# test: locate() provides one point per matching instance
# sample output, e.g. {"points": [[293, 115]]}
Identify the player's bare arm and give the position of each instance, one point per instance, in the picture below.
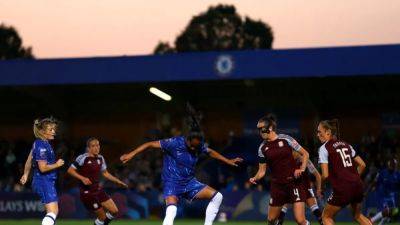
{"points": [[324, 172], [360, 164], [111, 178], [233, 162], [304, 159], [318, 183], [27, 169], [262, 169], [44, 167], [73, 172], [152, 144]]}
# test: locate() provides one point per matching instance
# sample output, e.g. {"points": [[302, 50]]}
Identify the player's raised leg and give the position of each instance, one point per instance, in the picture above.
{"points": [[282, 215], [273, 214], [329, 213], [100, 216], [299, 213], [215, 198], [358, 216], [52, 212], [313, 205], [170, 211], [111, 210]]}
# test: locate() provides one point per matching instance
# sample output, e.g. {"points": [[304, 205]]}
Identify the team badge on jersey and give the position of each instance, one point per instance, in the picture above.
{"points": [[98, 161], [42, 152], [280, 144]]}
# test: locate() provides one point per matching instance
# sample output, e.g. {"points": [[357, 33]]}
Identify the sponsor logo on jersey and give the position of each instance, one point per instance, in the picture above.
{"points": [[42, 152]]}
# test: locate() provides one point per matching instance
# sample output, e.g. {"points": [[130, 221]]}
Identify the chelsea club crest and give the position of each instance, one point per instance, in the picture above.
{"points": [[224, 65]]}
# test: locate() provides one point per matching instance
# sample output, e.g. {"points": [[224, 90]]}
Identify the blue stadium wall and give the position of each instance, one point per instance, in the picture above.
{"points": [[318, 62]]}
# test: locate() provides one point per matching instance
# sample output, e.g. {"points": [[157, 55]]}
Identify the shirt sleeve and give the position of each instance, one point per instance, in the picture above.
{"points": [[261, 157], [104, 165], [204, 148], [323, 155], [291, 141], [167, 145], [78, 161], [39, 152], [353, 152], [310, 167]]}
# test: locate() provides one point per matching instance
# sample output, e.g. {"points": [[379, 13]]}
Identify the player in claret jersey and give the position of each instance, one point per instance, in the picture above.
{"points": [[311, 200], [87, 168], [276, 151], [341, 165]]}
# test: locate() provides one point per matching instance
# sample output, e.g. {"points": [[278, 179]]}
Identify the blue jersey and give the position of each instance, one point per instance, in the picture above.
{"points": [[179, 161], [388, 183], [42, 151]]}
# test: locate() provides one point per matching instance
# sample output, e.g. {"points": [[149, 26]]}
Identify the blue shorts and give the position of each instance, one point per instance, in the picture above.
{"points": [[187, 190], [389, 201], [45, 189]]}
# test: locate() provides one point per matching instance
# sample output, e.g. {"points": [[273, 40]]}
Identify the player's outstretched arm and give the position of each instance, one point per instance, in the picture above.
{"points": [[27, 169], [74, 173], [360, 164], [318, 183], [152, 144], [214, 154], [44, 167], [110, 177], [262, 168]]}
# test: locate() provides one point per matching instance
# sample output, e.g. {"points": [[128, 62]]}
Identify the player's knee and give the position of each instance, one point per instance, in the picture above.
{"points": [[357, 216], [326, 219], [171, 211], [325, 215], [114, 211], [218, 197]]}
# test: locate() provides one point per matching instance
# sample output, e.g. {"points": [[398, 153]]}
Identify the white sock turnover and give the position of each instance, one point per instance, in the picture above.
{"points": [[49, 219], [170, 214], [213, 208]]}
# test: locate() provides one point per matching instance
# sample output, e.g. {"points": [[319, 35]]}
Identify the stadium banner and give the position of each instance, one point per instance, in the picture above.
{"points": [[238, 205], [20, 205]]}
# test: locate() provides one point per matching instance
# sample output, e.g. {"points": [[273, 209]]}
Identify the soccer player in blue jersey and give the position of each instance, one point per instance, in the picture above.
{"points": [[178, 174], [45, 167], [387, 183]]}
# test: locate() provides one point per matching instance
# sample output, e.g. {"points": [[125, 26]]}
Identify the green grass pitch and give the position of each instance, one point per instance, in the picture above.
{"points": [[143, 222]]}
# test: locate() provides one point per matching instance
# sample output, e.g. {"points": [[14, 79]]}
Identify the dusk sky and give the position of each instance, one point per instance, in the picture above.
{"points": [[86, 28]]}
